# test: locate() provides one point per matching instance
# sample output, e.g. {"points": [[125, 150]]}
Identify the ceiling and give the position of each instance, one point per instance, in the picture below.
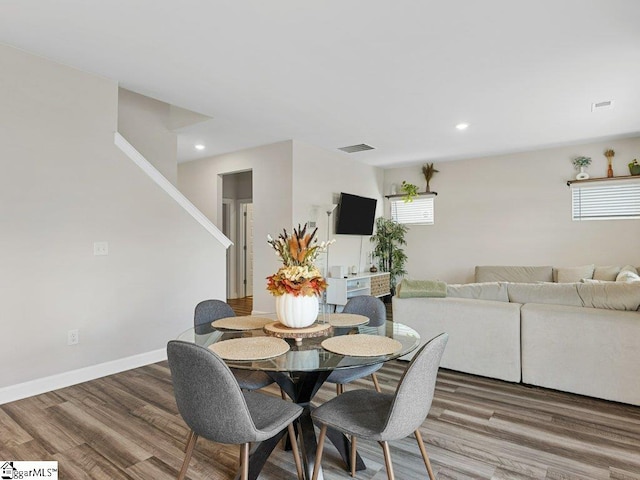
{"points": [[397, 75]]}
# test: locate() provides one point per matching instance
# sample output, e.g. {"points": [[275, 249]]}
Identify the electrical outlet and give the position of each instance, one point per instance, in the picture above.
{"points": [[73, 337]]}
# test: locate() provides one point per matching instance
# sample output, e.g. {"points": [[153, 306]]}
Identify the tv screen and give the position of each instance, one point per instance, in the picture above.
{"points": [[356, 215]]}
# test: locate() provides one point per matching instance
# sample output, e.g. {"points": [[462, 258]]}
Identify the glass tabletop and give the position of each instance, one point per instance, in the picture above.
{"points": [[309, 355]]}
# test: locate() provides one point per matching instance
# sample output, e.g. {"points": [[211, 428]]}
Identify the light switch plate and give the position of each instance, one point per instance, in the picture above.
{"points": [[101, 248]]}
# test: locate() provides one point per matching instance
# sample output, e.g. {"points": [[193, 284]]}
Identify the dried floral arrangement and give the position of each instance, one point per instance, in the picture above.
{"points": [[298, 251]]}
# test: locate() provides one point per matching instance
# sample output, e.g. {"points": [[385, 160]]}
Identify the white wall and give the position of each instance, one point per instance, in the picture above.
{"points": [[271, 166], [515, 210], [319, 176], [65, 185], [145, 123]]}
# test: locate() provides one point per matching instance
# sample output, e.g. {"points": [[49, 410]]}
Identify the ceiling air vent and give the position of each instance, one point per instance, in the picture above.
{"points": [[356, 148], [595, 107]]}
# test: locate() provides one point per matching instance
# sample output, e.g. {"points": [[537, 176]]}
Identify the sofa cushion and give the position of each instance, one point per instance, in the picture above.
{"points": [[610, 295], [608, 273], [628, 273], [496, 291], [549, 293], [488, 273], [572, 274]]}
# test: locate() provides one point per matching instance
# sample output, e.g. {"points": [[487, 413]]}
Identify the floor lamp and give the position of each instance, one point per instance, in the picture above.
{"points": [[329, 210]]}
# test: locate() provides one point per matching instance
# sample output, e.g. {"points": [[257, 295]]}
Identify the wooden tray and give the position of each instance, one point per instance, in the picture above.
{"points": [[277, 329]]}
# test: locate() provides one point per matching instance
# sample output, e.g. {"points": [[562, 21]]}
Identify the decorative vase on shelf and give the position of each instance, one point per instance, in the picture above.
{"points": [[297, 311], [583, 175]]}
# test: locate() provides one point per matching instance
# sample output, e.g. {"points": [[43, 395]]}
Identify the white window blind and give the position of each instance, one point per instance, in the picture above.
{"points": [[417, 212], [606, 200]]}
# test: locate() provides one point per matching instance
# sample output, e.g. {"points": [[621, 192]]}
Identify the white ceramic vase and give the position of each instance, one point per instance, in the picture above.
{"points": [[296, 311], [583, 175]]}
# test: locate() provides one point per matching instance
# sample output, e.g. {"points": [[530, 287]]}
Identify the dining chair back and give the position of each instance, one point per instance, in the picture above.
{"points": [[386, 417], [369, 306], [212, 404], [373, 308], [416, 387], [208, 311]]}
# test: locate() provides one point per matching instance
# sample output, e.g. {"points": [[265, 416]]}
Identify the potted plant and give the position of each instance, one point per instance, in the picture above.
{"points": [[388, 238], [634, 167], [409, 190], [581, 163]]}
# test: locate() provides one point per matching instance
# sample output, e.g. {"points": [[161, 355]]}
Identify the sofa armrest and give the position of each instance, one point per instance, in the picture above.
{"points": [[589, 351]]}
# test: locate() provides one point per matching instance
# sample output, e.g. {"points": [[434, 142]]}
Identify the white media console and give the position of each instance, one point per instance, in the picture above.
{"points": [[340, 290]]}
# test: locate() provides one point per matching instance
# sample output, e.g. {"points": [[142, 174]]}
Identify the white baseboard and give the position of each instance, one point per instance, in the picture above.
{"points": [[73, 377]]}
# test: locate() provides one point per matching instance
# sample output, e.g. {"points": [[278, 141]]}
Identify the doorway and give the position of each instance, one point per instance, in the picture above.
{"points": [[237, 225]]}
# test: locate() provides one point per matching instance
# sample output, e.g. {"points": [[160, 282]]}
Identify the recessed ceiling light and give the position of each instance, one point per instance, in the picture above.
{"points": [[199, 146], [462, 126]]}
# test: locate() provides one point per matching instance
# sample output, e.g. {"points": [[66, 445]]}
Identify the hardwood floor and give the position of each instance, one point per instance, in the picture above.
{"points": [[126, 426]]}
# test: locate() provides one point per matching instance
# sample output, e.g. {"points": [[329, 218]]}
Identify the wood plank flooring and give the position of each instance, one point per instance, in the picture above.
{"points": [[126, 426]]}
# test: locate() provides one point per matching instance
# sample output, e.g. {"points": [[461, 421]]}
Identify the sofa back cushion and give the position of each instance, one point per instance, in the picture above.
{"points": [[573, 274], [610, 295], [549, 293], [496, 291], [608, 273], [496, 273]]}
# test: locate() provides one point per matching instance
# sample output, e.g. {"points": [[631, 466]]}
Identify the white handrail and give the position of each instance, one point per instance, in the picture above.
{"points": [[168, 187]]}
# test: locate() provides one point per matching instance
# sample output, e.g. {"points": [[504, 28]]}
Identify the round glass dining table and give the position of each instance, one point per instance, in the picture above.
{"points": [[300, 372]]}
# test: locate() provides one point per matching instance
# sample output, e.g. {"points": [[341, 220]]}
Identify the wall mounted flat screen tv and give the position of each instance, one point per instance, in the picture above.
{"points": [[356, 215]]}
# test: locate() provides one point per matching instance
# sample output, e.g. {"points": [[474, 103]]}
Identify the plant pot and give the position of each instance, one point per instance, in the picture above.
{"points": [[634, 169], [296, 311]]}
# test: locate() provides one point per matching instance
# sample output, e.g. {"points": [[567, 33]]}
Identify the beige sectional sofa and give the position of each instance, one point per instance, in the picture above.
{"points": [[516, 324]]}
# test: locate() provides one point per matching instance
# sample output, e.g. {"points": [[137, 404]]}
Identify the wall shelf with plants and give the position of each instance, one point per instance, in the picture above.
{"points": [[601, 179], [419, 194]]}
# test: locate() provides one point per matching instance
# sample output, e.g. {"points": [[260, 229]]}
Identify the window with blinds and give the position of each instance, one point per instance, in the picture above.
{"points": [[606, 200], [417, 212]]}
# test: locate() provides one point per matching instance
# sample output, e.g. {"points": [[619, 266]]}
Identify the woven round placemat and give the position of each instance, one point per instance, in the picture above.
{"points": [[250, 348], [241, 323], [347, 319], [362, 345]]}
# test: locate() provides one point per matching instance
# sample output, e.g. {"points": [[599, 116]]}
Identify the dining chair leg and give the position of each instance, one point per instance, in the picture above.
{"points": [[316, 466], [244, 461], [188, 451], [387, 460], [425, 457], [374, 377], [353, 455], [294, 450]]}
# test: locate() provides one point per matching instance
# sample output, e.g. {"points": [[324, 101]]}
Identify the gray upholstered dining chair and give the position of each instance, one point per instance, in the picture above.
{"points": [[212, 404], [373, 308], [209, 310], [384, 417]]}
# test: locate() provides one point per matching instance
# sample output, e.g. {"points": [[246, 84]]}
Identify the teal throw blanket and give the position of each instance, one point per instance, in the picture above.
{"points": [[421, 288]]}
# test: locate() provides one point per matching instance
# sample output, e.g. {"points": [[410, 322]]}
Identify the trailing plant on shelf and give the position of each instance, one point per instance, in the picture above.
{"points": [[409, 190], [388, 239]]}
